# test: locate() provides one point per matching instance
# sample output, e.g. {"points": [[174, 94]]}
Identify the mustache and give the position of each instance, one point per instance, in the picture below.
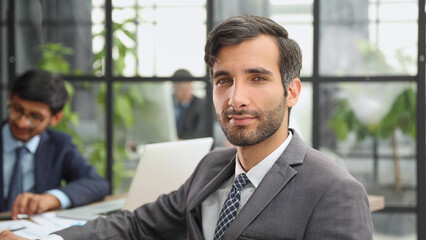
{"points": [[231, 111]]}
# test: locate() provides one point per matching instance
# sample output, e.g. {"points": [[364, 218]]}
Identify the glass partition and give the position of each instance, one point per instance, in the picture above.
{"points": [[143, 113], [3, 57], [362, 37], [371, 129], [156, 38], [295, 16], [56, 35]]}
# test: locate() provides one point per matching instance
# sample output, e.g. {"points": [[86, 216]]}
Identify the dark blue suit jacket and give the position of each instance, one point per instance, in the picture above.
{"points": [[57, 159], [193, 124]]}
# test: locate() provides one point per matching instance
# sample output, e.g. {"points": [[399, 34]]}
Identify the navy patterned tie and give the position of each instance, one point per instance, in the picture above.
{"points": [[230, 207], [16, 183]]}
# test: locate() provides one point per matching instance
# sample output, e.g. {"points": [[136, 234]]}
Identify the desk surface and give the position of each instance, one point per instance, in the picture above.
{"points": [[376, 202]]}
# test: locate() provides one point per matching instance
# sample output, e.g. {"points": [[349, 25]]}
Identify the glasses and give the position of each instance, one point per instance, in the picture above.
{"points": [[32, 119]]}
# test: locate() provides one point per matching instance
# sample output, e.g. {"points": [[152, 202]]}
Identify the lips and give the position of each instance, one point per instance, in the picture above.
{"points": [[240, 120], [19, 131]]}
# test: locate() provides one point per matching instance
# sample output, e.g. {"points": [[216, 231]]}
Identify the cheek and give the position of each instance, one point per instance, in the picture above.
{"points": [[272, 100], [217, 104], [39, 129], [218, 100]]}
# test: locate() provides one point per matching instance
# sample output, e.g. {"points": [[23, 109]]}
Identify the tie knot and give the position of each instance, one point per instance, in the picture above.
{"points": [[21, 150], [241, 181]]}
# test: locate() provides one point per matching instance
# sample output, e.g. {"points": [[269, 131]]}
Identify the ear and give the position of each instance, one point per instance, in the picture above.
{"points": [[294, 89], [56, 118]]}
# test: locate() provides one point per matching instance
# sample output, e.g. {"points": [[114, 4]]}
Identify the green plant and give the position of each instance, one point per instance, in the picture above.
{"points": [[120, 49], [402, 115], [126, 98], [53, 60]]}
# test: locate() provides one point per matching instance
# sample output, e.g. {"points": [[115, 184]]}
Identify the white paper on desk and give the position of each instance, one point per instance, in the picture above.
{"points": [[31, 230], [52, 223], [11, 225]]}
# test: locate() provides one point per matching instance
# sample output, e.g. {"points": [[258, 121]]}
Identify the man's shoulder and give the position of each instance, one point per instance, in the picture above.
{"points": [[319, 165], [224, 152], [196, 101], [219, 157], [55, 137]]}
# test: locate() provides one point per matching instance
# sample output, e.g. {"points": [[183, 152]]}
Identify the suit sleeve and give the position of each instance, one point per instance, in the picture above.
{"points": [[162, 219], [342, 213], [84, 184], [166, 218]]}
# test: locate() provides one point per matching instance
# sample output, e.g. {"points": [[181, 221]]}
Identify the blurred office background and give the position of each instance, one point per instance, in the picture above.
{"points": [[363, 95]]}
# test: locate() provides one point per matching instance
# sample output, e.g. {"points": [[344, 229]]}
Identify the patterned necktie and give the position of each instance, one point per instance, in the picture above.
{"points": [[16, 183], [230, 207]]}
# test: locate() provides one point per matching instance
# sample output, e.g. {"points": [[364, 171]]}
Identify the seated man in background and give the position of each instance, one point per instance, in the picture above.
{"points": [[189, 109], [35, 159]]}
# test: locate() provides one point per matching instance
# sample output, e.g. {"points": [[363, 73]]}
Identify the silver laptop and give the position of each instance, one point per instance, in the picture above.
{"points": [[162, 168]]}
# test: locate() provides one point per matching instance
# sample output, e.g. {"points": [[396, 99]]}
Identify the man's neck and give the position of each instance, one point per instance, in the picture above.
{"points": [[249, 156]]}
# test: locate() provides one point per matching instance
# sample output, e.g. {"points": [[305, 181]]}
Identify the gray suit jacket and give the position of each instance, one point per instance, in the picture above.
{"points": [[304, 196]]}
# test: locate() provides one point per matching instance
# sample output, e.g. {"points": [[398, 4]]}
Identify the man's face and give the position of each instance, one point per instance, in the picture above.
{"points": [[247, 91], [19, 127], [183, 91]]}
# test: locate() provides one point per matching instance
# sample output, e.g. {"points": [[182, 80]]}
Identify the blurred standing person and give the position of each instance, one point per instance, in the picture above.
{"points": [[189, 109]]}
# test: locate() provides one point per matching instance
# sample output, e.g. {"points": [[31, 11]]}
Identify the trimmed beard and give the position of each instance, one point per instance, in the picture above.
{"points": [[269, 122]]}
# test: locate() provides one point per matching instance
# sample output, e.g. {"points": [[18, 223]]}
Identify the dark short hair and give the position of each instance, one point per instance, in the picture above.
{"points": [[182, 73], [41, 86], [237, 29]]}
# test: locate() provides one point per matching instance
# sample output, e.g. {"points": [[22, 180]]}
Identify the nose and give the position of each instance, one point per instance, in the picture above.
{"points": [[239, 96], [22, 121]]}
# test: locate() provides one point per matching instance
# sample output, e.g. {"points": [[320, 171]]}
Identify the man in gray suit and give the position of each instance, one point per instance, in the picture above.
{"points": [[291, 190]]}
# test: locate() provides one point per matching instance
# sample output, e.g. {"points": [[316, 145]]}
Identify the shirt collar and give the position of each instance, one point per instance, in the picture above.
{"points": [[10, 143], [256, 174]]}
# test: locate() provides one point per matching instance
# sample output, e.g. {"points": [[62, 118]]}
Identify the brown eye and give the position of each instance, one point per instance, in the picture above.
{"points": [[223, 81], [259, 78], [35, 117]]}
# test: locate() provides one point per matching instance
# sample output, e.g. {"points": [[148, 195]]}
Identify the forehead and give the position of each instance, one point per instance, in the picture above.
{"points": [[29, 105], [182, 85], [261, 51]]}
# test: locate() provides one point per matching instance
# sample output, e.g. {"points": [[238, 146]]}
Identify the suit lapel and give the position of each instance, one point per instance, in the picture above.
{"points": [[272, 184], [194, 206]]}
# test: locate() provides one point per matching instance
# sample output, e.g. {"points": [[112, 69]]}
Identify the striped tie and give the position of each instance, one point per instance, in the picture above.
{"points": [[230, 207]]}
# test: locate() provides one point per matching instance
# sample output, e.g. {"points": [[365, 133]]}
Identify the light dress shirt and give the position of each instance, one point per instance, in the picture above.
{"points": [[210, 208], [10, 144], [179, 108]]}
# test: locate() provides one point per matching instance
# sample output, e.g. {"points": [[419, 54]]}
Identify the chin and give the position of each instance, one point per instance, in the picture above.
{"points": [[20, 137]]}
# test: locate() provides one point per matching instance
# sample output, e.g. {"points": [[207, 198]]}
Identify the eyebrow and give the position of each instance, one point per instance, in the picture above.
{"points": [[29, 112], [220, 73], [258, 70], [250, 70]]}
